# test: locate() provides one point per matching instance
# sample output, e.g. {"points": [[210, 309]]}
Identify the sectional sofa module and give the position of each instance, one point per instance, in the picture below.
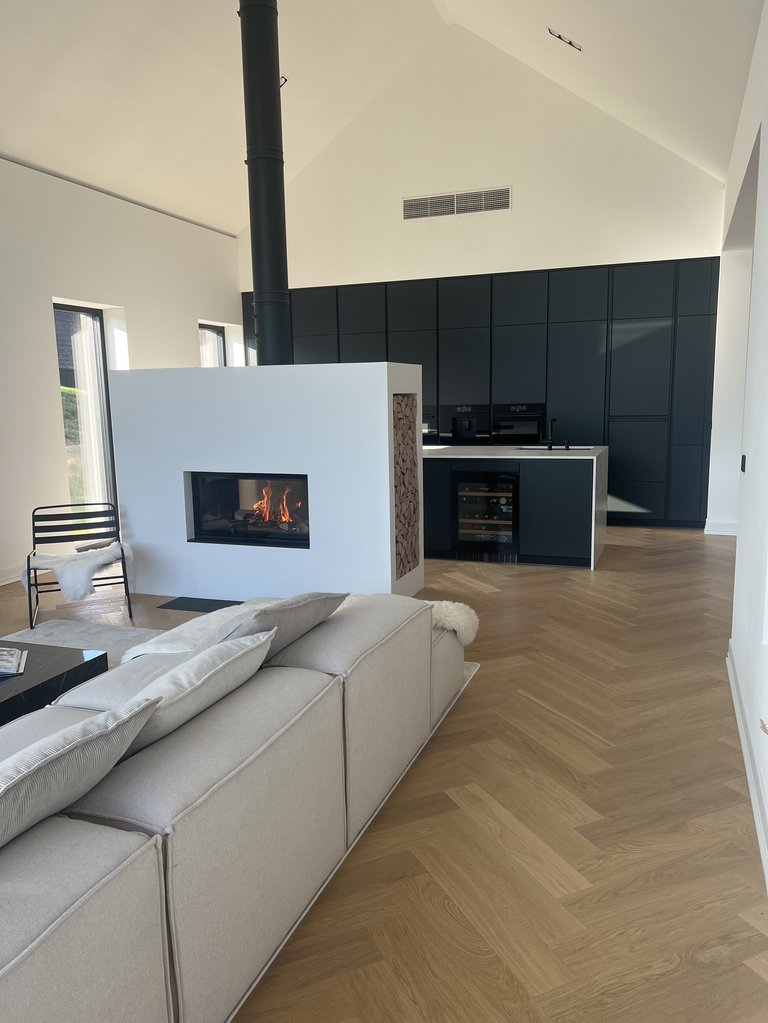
{"points": [[208, 845]]}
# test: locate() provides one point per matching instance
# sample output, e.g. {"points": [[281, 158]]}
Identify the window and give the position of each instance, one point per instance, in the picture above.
{"points": [[85, 403], [213, 349]]}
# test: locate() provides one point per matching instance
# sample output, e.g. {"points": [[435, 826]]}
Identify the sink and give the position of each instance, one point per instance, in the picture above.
{"points": [[555, 447]]}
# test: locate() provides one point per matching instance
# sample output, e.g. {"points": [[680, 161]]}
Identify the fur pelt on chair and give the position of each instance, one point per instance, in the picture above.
{"points": [[74, 572]]}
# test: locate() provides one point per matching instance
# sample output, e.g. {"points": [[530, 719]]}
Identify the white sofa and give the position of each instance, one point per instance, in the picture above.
{"points": [[165, 891]]}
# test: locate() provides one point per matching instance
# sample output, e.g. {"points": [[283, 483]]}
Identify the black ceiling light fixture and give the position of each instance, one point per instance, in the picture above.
{"points": [[565, 39]]}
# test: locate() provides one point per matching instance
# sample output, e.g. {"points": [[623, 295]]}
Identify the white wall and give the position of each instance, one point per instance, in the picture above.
{"points": [[748, 656], [728, 398], [333, 423], [586, 189], [60, 239]]}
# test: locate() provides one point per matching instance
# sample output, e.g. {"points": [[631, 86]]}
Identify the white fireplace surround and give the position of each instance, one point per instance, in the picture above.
{"points": [[330, 422]]}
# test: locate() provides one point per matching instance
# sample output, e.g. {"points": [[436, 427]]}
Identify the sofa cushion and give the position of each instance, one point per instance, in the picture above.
{"points": [[51, 773], [197, 633], [18, 734], [294, 617], [121, 683]]}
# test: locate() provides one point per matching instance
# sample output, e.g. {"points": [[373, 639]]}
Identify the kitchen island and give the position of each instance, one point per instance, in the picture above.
{"points": [[525, 504]]}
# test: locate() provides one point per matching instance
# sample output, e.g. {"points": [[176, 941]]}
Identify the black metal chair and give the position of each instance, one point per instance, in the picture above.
{"points": [[81, 524]]}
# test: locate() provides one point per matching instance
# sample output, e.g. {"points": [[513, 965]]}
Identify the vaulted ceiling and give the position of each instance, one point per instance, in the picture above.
{"points": [[143, 98]]}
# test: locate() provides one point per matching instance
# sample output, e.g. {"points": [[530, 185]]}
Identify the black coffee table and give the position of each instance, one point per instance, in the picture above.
{"points": [[49, 672]]}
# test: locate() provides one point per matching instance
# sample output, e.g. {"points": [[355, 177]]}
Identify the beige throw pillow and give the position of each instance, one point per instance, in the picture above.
{"points": [[203, 631], [295, 616], [55, 771], [197, 683]]}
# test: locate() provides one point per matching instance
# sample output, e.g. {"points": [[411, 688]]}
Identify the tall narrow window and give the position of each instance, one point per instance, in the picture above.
{"points": [[213, 350], [85, 403]]}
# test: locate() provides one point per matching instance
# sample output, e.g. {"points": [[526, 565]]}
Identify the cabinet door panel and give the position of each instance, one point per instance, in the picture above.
{"points": [[519, 298], [556, 508], [363, 347], [419, 347], [576, 381], [637, 500], [580, 294], [641, 357], [637, 451], [412, 305], [694, 279], [362, 308], [464, 302], [313, 311], [310, 350], [437, 506], [685, 483], [689, 391], [646, 289], [465, 366], [519, 359]]}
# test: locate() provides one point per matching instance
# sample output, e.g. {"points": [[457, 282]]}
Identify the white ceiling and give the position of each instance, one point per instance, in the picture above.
{"points": [[143, 98]]}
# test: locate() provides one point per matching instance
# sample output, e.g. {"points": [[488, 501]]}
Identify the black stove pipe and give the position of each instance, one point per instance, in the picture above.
{"points": [[266, 186]]}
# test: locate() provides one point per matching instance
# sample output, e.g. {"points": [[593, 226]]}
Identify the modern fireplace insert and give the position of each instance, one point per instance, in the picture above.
{"points": [[262, 509]]}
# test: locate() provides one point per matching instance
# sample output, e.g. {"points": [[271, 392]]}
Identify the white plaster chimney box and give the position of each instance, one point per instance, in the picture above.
{"points": [[301, 477]]}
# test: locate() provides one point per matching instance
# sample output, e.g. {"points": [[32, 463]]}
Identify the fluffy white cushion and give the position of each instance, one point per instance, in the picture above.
{"points": [[60, 768], [203, 631], [197, 683], [455, 617]]}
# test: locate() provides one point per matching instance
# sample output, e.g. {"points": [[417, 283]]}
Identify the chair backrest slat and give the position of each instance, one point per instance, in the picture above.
{"points": [[73, 523]]}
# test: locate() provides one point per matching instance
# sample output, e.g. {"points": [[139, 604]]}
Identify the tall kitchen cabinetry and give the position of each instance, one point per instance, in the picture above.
{"points": [[621, 355]]}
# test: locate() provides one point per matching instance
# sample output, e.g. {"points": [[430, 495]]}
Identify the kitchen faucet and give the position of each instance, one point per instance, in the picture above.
{"points": [[548, 438]]}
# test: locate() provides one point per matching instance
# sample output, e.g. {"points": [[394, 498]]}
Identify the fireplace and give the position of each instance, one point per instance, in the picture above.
{"points": [[259, 509]]}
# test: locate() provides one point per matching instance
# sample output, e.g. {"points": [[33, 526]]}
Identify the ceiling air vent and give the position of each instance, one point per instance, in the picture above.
{"points": [[459, 202]]}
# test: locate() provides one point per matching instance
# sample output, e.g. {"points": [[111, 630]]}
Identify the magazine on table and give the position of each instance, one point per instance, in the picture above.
{"points": [[12, 661]]}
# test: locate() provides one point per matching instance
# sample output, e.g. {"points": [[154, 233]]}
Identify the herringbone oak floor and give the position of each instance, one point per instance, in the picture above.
{"points": [[575, 845]]}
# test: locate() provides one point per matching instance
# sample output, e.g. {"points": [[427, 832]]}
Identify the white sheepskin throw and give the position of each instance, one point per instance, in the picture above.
{"points": [[75, 572], [454, 617]]}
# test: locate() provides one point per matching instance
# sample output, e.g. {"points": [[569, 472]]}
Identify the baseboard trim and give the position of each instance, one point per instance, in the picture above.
{"points": [[721, 528], [756, 794]]}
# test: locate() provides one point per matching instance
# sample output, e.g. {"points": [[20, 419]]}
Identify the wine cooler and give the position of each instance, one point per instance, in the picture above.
{"points": [[485, 512]]}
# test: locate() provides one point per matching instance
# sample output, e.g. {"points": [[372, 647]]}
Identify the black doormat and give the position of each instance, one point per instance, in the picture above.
{"points": [[197, 604]]}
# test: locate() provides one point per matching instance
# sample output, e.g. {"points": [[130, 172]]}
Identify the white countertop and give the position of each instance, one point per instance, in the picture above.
{"points": [[508, 453]]}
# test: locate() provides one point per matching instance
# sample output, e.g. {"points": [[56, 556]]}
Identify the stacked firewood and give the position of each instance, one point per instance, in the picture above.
{"points": [[406, 469]]}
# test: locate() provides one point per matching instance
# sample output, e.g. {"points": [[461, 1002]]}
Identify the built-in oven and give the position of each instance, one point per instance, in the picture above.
{"points": [[485, 514], [518, 424]]}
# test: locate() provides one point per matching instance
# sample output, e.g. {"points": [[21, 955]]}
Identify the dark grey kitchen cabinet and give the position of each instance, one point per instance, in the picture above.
{"points": [[519, 359], [579, 294], [638, 451], [420, 347], [363, 347], [464, 366], [313, 312], [411, 305], [636, 502], [689, 391], [641, 367], [687, 503], [576, 381], [694, 284], [464, 302], [438, 508], [556, 510], [362, 308], [319, 348], [643, 289], [519, 298]]}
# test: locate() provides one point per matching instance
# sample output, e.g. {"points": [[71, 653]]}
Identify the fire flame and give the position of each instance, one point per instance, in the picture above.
{"points": [[264, 508]]}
